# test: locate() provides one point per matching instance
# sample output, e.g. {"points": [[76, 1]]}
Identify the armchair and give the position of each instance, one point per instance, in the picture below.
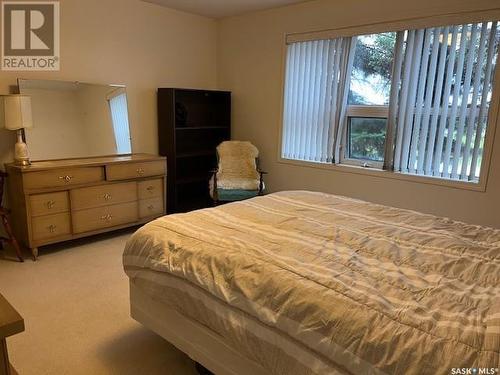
{"points": [[237, 175]]}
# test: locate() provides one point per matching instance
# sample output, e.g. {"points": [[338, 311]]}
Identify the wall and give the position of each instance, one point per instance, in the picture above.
{"points": [[141, 45], [249, 63]]}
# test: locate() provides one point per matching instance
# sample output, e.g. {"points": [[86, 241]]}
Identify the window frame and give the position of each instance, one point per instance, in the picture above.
{"points": [[400, 25], [367, 111]]}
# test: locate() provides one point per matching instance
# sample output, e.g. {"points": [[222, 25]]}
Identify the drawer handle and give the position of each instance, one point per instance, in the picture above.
{"points": [[140, 171], [107, 217], [52, 228], [106, 197], [50, 204], [150, 188], [150, 207], [66, 178]]}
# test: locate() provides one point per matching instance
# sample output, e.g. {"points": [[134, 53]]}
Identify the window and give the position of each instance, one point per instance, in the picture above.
{"points": [[365, 135], [119, 116], [368, 100], [413, 101], [370, 81]]}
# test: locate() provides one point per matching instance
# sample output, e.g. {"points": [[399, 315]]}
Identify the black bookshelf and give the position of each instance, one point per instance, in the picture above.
{"points": [[191, 123]]}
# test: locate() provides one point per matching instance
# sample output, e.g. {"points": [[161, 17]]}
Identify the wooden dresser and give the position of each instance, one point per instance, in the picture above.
{"points": [[59, 200]]}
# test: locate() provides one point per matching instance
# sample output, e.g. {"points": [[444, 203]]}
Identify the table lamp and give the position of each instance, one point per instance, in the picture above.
{"points": [[15, 114]]}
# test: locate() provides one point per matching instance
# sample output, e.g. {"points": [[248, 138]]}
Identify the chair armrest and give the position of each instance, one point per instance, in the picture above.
{"points": [[213, 172], [261, 182], [215, 197]]}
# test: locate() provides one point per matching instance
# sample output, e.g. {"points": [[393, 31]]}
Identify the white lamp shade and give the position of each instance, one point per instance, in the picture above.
{"points": [[15, 112]]}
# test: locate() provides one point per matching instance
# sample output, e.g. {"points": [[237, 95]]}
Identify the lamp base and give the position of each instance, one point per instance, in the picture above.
{"points": [[23, 163], [21, 151]]}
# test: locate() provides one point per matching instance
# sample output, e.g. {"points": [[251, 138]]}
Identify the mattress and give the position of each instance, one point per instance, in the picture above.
{"points": [[312, 283]]}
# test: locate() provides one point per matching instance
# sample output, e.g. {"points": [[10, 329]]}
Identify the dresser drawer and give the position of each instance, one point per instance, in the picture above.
{"points": [[134, 170], [150, 207], [51, 226], [103, 195], [63, 177], [150, 188], [104, 217], [51, 203]]}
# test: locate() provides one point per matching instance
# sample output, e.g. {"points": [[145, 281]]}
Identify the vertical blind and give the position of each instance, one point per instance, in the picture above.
{"points": [[441, 89], [119, 116], [315, 96], [444, 80]]}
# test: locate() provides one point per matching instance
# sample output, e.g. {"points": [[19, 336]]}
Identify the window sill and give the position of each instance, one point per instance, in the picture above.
{"points": [[375, 172]]}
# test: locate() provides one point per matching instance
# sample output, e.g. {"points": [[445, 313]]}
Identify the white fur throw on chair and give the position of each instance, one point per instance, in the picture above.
{"points": [[237, 168]]}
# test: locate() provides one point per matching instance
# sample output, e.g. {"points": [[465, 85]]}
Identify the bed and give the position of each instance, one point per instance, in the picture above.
{"points": [[301, 282]]}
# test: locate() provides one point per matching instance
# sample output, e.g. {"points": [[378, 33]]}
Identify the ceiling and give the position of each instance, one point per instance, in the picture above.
{"points": [[222, 8]]}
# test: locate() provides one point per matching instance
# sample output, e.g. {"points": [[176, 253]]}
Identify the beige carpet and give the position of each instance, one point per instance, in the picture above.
{"points": [[74, 300]]}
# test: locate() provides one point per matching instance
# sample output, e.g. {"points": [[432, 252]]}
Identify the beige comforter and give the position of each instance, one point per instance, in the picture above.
{"points": [[366, 288]]}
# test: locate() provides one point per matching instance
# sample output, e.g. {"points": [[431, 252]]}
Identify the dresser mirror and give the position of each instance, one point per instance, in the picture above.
{"points": [[75, 119]]}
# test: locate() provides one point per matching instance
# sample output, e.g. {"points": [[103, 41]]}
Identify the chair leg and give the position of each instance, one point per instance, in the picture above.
{"points": [[12, 238]]}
